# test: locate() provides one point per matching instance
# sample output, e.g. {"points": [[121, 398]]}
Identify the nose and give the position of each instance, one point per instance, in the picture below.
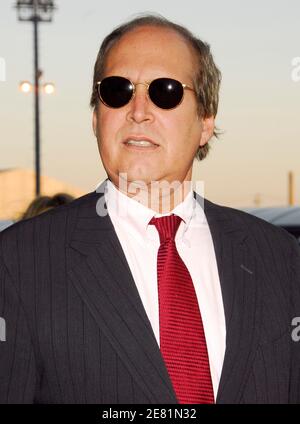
{"points": [[140, 108]]}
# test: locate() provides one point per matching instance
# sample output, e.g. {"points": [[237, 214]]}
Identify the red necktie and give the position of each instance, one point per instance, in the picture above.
{"points": [[182, 338]]}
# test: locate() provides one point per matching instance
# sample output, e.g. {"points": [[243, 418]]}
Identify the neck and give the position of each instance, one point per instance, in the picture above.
{"points": [[160, 196]]}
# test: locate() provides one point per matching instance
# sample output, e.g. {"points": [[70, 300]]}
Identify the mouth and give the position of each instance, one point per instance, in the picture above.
{"points": [[140, 142]]}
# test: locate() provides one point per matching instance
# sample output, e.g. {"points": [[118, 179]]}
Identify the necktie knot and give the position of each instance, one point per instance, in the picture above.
{"points": [[166, 226]]}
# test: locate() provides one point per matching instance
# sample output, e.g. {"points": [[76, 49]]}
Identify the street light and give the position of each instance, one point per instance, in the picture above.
{"points": [[29, 10], [26, 87], [48, 88], [36, 11]]}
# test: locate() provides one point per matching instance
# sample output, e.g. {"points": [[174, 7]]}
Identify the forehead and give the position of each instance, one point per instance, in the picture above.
{"points": [[152, 49]]}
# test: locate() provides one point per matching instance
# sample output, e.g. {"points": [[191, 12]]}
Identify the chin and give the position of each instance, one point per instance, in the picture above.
{"points": [[138, 175]]}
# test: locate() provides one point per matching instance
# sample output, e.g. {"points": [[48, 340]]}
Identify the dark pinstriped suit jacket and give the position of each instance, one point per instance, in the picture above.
{"points": [[77, 332]]}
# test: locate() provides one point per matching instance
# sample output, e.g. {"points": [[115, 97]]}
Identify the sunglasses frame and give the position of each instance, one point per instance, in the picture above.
{"points": [[147, 84]]}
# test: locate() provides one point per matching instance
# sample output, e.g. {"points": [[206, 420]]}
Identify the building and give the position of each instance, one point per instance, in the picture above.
{"points": [[17, 190]]}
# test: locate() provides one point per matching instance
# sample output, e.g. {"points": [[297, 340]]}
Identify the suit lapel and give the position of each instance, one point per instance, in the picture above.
{"points": [[240, 291], [104, 281]]}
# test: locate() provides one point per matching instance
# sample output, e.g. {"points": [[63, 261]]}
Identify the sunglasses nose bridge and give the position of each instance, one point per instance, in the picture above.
{"points": [[143, 83], [135, 91], [139, 105], [140, 83]]}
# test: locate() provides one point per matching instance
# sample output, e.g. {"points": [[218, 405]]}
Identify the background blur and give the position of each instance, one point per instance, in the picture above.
{"points": [[254, 44]]}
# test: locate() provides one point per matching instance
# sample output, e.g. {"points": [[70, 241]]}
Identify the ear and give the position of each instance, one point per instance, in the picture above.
{"points": [[208, 125], [94, 122]]}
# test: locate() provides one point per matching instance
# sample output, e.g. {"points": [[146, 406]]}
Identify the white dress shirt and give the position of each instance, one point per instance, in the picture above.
{"points": [[140, 243]]}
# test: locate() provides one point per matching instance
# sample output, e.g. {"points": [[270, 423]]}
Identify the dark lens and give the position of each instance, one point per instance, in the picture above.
{"points": [[166, 93], [115, 91]]}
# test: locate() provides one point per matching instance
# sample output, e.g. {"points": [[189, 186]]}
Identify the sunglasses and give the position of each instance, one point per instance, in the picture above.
{"points": [[165, 93]]}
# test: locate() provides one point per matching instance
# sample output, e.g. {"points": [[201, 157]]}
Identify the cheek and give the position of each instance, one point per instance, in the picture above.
{"points": [[107, 126], [184, 133], [109, 136], [194, 130]]}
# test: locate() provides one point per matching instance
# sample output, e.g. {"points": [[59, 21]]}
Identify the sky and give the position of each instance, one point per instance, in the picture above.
{"points": [[255, 44]]}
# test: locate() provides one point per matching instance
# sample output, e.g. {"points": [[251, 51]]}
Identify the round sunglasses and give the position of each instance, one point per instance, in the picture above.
{"points": [[165, 93]]}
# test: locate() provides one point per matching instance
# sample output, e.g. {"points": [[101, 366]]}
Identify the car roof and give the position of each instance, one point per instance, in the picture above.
{"points": [[288, 216]]}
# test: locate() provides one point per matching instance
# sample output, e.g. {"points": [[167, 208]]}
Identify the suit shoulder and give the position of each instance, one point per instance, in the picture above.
{"points": [[60, 216], [254, 225]]}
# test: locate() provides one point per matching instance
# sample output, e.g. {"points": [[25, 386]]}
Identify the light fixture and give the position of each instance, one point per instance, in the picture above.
{"points": [[25, 86], [48, 87]]}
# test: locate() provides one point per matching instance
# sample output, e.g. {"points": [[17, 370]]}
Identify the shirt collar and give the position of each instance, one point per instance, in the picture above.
{"points": [[128, 211]]}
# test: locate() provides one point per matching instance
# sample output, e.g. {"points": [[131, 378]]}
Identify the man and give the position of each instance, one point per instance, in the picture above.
{"points": [[148, 293]]}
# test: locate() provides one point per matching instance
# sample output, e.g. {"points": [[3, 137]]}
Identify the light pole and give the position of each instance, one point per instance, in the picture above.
{"points": [[47, 87], [36, 11]]}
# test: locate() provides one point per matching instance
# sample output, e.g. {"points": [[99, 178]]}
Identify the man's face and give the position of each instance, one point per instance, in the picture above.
{"points": [[142, 55]]}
